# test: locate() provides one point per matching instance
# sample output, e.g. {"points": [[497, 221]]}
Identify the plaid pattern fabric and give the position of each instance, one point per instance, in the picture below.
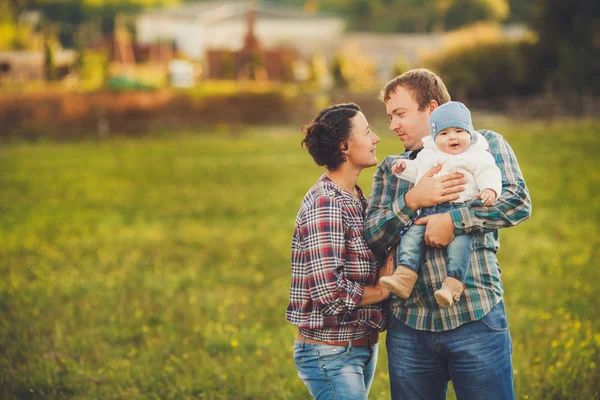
{"points": [[387, 216], [331, 263]]}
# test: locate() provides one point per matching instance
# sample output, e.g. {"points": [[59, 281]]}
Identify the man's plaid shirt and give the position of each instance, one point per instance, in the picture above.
{"points": [[331, 263], [387, 215]]}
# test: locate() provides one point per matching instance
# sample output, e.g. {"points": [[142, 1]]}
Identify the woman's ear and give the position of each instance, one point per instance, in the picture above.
{"points": [[344, 147]]}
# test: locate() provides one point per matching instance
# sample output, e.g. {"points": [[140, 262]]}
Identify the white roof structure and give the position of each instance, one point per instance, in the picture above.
{"points": [[197, 27]]}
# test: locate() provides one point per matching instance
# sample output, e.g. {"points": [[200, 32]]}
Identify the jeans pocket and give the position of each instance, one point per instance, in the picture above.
{"points": [[496, 320], [331, 354]]}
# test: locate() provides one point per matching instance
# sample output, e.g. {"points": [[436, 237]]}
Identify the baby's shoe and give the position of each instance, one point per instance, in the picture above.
{"points": [[450, 292], [401, 283]]}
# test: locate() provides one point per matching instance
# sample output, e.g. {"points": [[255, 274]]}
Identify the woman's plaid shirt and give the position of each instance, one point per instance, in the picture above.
{"points": [[387, 215], [331, 263]]}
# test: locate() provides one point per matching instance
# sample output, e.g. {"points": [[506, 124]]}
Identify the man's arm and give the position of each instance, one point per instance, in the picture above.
{"points": [[394, 202], [387, 213], [512, 207]]}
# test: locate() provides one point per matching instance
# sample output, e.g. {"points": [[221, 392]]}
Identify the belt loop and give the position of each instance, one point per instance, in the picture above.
{"points": [[303, 340], [349, 344]]}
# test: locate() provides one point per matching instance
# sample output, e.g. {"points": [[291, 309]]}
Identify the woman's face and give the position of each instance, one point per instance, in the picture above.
{"points": [[362, 143]]}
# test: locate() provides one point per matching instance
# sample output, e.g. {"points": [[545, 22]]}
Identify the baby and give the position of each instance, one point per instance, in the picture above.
{"points": [[458, 148]]}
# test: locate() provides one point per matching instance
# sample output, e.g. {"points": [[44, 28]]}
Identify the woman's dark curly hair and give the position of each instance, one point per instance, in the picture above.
{"points": [[330, 129]]}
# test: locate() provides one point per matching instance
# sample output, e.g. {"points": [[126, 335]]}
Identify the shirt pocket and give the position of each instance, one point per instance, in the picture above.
{"points": [[360, 262], [357, 247]]}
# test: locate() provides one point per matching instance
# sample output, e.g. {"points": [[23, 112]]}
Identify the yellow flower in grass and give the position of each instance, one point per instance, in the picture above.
{"points": [[235, 343]]}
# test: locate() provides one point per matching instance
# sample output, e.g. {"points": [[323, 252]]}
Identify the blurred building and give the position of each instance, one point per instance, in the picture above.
{"points": [[31, 65], [252, 61], [196, 28]]}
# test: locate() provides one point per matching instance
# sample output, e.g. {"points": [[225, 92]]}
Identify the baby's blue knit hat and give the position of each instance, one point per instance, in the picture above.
{"points": [[451, 115]]}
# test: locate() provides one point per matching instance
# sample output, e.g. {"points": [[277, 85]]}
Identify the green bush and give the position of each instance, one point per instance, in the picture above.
{"points": [[479, 63]]}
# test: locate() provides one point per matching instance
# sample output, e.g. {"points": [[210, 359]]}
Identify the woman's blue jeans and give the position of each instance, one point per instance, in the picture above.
{"points": [[336, 372], [412, 246], [476, 356]]}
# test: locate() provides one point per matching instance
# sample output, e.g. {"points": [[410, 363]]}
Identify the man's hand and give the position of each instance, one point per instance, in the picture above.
{"points": [[487, 196], [439, 231], [430, 191]]}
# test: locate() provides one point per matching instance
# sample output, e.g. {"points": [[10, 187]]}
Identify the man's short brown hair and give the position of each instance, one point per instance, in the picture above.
{"points": [[424, 84]]}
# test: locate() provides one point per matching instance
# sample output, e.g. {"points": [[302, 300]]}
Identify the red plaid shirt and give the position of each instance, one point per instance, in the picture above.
{"points": [[331, 262]]}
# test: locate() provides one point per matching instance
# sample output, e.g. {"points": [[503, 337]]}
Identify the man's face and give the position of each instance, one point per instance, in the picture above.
{"points": [[410, 124]]}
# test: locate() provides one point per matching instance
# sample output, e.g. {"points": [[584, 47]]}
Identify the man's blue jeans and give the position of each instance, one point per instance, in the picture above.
{"points": [[458, 253], [476, 356], [336, 372]]}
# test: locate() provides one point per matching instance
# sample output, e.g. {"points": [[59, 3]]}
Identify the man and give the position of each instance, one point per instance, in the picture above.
{"points": [[429, 345]]}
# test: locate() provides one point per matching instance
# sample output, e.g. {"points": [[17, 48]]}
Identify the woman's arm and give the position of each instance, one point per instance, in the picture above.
{"points": [[325, 253], [378, 293]]}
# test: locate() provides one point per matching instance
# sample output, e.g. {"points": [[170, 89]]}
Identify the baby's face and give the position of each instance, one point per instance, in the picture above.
{"points": [[453, 140]]}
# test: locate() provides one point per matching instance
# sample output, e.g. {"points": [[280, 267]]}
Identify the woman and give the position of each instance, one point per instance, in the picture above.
{"points": [[335, 296]]}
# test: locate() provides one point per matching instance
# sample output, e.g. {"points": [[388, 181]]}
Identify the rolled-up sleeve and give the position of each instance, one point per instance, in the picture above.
{"points": [[387, 213], [325, 252]]}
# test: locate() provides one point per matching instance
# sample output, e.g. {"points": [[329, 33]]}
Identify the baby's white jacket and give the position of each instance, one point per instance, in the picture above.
{"points": [[476, 164]]}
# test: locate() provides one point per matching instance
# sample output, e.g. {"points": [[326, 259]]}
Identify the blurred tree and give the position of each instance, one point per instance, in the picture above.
{"points": [[401, 65], [337, 72], [463, 12], [7, 24], [567, 56], [49, 65], [520, 11], [476, 62]]}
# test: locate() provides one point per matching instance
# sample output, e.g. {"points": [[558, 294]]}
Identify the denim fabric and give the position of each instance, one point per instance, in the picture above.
{"points": [[336, 372], [458, 253], [476, 356]]}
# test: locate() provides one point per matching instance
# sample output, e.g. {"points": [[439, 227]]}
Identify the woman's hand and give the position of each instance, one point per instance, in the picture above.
{"points": [[377, 293]]}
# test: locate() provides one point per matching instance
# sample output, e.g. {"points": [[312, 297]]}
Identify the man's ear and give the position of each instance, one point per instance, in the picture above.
{"points": [[432, 106]]}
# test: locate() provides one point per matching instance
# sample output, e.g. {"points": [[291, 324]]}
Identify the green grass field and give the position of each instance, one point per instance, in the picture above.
{"points": [[159, 267]]}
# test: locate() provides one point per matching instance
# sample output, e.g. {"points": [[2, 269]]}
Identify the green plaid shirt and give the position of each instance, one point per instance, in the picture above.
{"points": [[387, 215]]}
